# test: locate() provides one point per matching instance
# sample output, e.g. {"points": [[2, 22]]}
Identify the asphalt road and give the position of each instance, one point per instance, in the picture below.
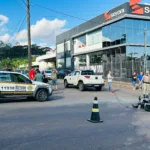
{"points": [[61, 123]]}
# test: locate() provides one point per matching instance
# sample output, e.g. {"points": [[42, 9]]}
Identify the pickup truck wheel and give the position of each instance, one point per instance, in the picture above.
{"points": [[98, 88], [42, 95], [65, 84], [81, 86]]}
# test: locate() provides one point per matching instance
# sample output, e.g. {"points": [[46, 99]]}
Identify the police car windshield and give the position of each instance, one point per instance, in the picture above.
{"points": [[20, 78]]}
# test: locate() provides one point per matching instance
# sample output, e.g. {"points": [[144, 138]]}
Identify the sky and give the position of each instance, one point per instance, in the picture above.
{"points": [[46, 24]]}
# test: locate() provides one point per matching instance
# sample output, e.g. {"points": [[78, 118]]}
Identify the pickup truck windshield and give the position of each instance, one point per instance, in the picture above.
{"points": [[48, 71], [87, 72]]}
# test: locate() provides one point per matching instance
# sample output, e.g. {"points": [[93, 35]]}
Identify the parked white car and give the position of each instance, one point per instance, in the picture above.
{"points": [[84, 78]]}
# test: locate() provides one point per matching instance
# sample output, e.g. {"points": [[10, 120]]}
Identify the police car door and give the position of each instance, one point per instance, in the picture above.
{"points": [[6, 85], [23, 86]]}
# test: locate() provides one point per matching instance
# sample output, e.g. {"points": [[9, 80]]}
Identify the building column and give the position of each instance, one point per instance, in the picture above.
{"points": [[76, 62], [87, 60]]}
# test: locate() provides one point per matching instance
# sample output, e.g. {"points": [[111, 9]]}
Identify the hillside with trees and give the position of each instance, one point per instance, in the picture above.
{"points": [[13, 56]]}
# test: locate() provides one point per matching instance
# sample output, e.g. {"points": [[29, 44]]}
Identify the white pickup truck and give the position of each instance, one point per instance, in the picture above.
{"points": [[84, 78]]}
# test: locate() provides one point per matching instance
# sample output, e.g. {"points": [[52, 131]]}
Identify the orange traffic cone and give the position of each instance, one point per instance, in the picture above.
{"points": [[95, 117]]}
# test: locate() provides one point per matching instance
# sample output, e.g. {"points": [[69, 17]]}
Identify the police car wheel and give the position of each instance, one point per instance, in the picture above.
{"points": [[42, 95]]}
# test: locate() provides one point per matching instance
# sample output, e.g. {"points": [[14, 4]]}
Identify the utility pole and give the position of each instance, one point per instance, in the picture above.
{"points": [[145, 51], [29, 35]]}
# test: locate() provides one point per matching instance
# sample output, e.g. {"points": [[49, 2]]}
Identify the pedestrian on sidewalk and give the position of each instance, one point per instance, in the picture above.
{"points": [[110, 78], [134, 78], [140, 80], [54, 79]]}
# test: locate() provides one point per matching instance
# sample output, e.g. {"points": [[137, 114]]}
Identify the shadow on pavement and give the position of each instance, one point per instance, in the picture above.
{"points": [[88, 89], [28, 100], [116, 90], [14, 100], [54, 98]]}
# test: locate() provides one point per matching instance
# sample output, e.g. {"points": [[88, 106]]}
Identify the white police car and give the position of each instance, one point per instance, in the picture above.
{"points": [[14, 84]]}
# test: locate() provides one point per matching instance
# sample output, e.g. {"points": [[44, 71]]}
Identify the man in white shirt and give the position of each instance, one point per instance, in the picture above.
{"points": [[109, 77]]}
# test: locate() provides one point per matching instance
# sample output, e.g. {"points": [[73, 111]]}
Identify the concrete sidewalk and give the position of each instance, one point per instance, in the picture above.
{"points": [[120, 84]]}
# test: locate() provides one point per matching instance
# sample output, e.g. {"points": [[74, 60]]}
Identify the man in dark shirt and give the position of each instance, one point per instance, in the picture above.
{"points": [[134, 77]]}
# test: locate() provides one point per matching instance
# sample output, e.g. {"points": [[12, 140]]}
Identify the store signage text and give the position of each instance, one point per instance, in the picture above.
{"points": [[147, 10], [108, 16]]}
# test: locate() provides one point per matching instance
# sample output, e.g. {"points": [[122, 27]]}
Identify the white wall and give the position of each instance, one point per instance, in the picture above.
{"points": [[43, 66], [60, 48], [89, 45]]}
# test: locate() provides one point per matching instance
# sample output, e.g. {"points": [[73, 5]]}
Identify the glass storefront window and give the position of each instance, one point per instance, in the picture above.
{"points": [[134, 52], [125, 31], [60, 48], [80, 42], [95, 58], [60, 63], [82, 60], [68, 62], [67, 46], [94, 37]]}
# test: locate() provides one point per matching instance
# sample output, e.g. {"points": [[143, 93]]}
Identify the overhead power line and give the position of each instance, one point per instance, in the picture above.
{"points": [[72, 16], [20, 5], [65, 14], [17, 24], [19, 28], [24, 2]]}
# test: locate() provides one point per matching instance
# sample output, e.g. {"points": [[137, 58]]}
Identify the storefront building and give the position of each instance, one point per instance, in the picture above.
{"points": [[118, 40]]}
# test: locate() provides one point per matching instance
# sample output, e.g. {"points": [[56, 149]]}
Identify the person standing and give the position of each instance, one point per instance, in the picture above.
{"points": [[32, 73], [146, 84], [110, 78], [140, 78], [134, 77], [54, 79], [38, 76]]}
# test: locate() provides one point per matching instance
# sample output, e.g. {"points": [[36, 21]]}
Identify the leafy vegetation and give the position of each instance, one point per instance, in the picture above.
{"points": [[14, 63], [14, 56]]}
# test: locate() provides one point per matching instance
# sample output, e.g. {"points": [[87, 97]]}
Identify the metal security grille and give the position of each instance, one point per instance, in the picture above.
{"points": [[123, 69]]}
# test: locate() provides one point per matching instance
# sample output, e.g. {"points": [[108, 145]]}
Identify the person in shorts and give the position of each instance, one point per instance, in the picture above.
{"points": [[54, 79], [110, 78], [134, 77], [146, 84], [140, 79]]}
